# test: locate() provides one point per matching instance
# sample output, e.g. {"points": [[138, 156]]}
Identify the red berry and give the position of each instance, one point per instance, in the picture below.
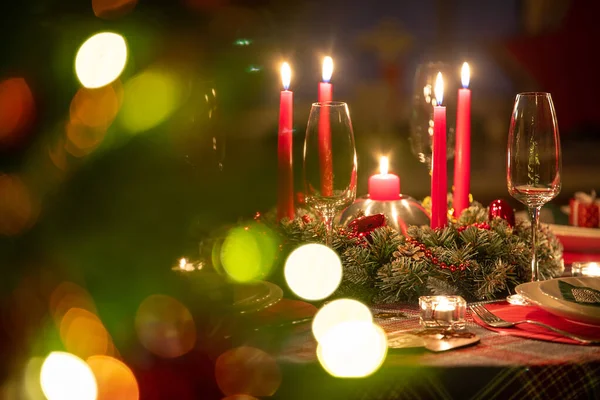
{"points": [[452, 268], [428, 253], [443, 265], [434, 260]]}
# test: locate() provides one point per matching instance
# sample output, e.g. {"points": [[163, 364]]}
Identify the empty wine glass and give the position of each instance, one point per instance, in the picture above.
{"points": [[534, 158], [329, 161], [421, 116]]}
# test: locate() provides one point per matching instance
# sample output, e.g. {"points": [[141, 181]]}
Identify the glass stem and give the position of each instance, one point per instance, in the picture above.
{"points": [[328, 219], [534, 213]]}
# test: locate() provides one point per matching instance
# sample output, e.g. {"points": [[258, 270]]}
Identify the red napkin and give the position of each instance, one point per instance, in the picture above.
{"points": [[513, 313]]}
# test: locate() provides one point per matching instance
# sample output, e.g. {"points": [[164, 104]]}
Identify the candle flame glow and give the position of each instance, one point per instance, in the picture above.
{"points": [[384, 165], [286, 75], [327, 68], [465, 75], [182, 263], [439, 89]]}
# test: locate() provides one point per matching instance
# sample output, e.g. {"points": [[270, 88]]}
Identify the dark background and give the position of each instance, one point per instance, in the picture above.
{"points": [[116, 217]]}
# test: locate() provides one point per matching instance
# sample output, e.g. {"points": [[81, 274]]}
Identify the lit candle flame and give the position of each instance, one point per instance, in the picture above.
{"points": [[384, 165], [465, 75], [286, 75], [439, 89], [182, 263], [327, 68]]}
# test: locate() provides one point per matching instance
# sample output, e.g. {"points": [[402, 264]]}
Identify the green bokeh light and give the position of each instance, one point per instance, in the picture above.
{"points": [[150, 98], [249, 253]]}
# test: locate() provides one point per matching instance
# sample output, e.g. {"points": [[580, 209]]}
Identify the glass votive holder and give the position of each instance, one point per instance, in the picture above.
{"points": [[585, 269], [443, 311]]}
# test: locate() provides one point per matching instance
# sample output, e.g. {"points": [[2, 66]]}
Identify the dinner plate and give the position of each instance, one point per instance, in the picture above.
{"points": [[551, 289], [572, 311], [255, 297], [577, 239]]}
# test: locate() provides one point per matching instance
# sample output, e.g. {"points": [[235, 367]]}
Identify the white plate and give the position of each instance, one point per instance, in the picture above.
{"points": [[550, 288], [571, 311]]}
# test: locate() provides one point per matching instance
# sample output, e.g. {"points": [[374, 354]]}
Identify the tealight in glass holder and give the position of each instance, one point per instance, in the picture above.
{"points": [[587, 269], [443, 312]]}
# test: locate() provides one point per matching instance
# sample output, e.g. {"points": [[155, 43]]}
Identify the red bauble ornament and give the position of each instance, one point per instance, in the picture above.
{"points": [[363, 226], [501, 208]]}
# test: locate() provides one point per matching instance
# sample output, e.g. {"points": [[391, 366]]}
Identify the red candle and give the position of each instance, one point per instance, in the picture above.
{"points": [[285, 174], [462, 162], [325, 159], [439, 204], [384, 186]]}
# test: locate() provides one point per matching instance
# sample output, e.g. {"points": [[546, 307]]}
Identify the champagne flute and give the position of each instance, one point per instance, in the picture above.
{"points": [[329, 161], [534, 159]]}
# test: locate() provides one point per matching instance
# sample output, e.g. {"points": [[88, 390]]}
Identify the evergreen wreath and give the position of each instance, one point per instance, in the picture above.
{"points": [[476, 258]]}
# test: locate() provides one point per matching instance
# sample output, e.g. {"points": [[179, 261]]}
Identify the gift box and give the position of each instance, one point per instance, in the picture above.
{"points": [[584, 210]]}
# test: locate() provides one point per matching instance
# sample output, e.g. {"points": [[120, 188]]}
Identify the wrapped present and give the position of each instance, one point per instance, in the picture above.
{"points": [[584, 210]]}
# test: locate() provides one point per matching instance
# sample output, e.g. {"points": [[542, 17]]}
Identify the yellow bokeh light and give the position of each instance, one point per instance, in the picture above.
{"points": [[83, 334], [150, 98], [248, 253], [30, 384], [115, 380], [337, 312], [313, 271], [67, 377], [353, 349], [165, 326], [101, 59]]}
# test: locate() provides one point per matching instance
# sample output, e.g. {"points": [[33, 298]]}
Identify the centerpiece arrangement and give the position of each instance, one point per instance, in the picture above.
{"points": [[394, 248]]}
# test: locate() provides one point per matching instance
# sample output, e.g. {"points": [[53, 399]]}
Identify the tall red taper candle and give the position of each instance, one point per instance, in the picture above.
{"points": [[462, 161], [439, 184], [285, 173], [325, 158]]}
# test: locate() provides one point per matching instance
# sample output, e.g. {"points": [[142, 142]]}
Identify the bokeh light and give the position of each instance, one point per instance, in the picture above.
{"points": [[247, 370], [150, 98], [352, 349], [337, 312], [115, 380], [19, 209], [68, 295], [30, 385], [112, 9], [240, 397], [101, 59], [313, 271], [83, 334], [165, 326], [248, 253], [82, 140], [17, 109], [67, 377], [97, 108]]}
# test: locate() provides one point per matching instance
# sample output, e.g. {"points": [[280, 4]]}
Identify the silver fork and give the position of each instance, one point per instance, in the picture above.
{"points": [[496, 322]]}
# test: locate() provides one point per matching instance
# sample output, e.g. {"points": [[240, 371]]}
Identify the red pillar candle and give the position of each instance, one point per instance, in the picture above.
{"points": [[285, 174], [384, 186], [439, 203], [462, 161], [325, 158]]}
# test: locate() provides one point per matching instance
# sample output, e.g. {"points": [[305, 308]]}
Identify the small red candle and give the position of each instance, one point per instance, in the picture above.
{"points": [[439, 184], [384, 186], [325, 159], [285, 174], [462, 162]]}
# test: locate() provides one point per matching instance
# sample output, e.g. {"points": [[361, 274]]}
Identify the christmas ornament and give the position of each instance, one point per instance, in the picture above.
{"points": [[501, 208], [399, 214], [363, 226]]}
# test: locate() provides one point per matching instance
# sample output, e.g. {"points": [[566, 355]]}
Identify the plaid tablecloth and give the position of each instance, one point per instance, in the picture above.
{"points": [[500, 366]]}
